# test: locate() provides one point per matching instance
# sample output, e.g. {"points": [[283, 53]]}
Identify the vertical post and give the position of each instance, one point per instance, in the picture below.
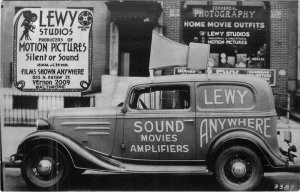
{"points": [[114, 49], [125, 62], [92, 101], [288, 107]]}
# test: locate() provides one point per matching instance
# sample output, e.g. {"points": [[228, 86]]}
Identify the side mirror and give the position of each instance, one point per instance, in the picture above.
{"points": [[120, 104], [124, 109]]}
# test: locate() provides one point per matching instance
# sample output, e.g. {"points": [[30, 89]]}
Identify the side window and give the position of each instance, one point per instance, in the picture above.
{"points": [[160, 98], [25, 102]]}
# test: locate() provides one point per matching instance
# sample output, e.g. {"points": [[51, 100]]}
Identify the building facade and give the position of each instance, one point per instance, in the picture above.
{"points": [[250, 36]]}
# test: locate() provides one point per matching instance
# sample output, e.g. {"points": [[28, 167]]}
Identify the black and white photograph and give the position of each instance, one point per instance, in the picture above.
{"points": [[150, 95]]}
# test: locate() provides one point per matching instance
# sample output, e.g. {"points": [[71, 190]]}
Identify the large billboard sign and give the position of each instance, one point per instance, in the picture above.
{"points": [[52, 49]]}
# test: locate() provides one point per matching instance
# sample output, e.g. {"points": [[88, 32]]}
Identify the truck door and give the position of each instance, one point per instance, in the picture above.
{"points": [[220, 107], [160, 123]]}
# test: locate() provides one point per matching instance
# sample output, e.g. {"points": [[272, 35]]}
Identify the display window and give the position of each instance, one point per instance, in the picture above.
{"points": [[238, 35]]}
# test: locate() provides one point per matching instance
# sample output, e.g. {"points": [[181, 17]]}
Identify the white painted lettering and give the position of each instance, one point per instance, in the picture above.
{"points": [[167, 138], [251, 123], [229, 95], [169, 126], [225, 96], [242, 95], [151, 138], [205, 99], [147, 148], [132, 148], [222, 123], [179, 148], [137, 124], [267, 126], [212, 125], [174, 138], [242, 122], [140, 148], [144, 138], [161, 129], [216, 96], [232, 122], [179, 126], [259, 123], [252, 13], [148, 126], [203, 125], [185, 148]]}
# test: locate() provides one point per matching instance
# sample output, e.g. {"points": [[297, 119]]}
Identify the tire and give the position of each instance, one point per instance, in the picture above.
{"points": [[45, 167], [238, 168]]}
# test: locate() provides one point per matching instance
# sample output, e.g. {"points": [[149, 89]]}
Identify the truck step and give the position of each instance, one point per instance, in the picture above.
{"points": [[177, 169], [154, 169]]}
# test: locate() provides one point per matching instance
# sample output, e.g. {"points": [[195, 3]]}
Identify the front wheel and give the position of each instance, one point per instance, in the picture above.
{"points": [[45, 166], [238, 168]]}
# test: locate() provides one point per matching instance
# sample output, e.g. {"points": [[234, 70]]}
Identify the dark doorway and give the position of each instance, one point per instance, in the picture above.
{"points": [[135, 38]]}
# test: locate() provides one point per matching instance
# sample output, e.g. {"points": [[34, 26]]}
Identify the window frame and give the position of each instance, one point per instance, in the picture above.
{"points": [[188, 85]]}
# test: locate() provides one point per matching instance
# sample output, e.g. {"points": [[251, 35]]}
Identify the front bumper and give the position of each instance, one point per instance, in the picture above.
{"points": [[15, 158]]}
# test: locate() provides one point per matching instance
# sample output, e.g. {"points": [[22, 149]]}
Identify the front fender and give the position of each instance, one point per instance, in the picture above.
{"points": [[80, 156], [246, 138]]}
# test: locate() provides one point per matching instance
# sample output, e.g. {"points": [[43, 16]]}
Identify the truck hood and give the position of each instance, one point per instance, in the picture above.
{"points": [[83, 112]]}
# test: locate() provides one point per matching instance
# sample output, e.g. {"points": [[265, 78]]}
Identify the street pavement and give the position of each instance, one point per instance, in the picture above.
{"points": [[91, 182]]}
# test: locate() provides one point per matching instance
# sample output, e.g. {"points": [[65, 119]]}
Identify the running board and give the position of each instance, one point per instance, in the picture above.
{"points": [[154, 169], [165, 169]]}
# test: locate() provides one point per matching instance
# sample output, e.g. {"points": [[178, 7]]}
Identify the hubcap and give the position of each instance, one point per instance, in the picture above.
{"points": [[238, 169], [44, 167]]}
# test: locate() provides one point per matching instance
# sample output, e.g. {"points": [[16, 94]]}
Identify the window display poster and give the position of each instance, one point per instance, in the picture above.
{"points": [[268, 75], [52, 49], [241, 60], [213, 60], [228, 29]]}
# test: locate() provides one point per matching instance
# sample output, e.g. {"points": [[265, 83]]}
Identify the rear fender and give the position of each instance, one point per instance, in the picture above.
{"points": [[245, 138], [80, 156]]}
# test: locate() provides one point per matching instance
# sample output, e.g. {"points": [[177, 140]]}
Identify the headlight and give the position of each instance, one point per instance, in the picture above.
{"points": [[42, 124]]}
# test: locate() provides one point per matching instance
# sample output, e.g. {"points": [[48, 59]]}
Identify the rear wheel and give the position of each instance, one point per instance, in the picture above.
{"points": [[45, 166], [238, 168]]}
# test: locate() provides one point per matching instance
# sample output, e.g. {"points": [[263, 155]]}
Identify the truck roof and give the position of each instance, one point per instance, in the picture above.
{"points": [[201, 78]]}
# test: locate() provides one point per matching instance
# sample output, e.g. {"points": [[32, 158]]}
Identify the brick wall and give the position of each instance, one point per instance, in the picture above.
{"points": [[279, 45], [171, 24]]}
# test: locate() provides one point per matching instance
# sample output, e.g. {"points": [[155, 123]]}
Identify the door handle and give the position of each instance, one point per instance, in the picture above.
{"points": [[188, 120]]}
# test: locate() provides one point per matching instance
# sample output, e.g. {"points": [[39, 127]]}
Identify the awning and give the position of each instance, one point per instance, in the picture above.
{"points": [[148, 11]]}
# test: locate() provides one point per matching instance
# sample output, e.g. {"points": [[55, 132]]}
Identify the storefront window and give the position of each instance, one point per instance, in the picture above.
{"points": [[237, 34]]}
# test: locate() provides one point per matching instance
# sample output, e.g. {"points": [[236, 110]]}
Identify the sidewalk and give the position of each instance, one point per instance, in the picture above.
{"points": [[12, 137]]}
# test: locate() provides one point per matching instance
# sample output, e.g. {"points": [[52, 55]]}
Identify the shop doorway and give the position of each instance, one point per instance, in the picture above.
{"points": [[134, 47]]}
